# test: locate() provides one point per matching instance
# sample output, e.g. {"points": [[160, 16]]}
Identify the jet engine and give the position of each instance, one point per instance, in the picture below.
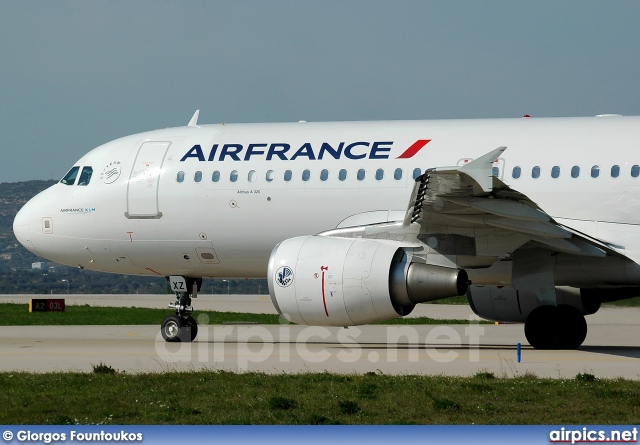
{"points": [[331, 281]]}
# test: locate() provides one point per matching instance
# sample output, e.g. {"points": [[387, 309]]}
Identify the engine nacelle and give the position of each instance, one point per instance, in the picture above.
{"points": [[329, 281], [504, 303]]}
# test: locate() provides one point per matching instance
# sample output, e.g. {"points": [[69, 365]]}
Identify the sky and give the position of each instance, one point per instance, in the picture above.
{"points": [[76, 74]]}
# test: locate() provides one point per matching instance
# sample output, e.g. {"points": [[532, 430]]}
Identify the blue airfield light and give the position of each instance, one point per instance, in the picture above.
{"points": [[518, 352]]}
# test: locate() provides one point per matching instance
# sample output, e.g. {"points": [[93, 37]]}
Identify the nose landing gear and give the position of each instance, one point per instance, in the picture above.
{"points": [[182, 327]]}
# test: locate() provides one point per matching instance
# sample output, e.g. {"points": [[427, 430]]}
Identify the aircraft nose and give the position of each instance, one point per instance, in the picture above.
{"points": [[22, 228]]}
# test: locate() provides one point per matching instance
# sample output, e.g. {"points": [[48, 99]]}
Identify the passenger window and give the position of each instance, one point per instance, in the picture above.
{"points": [[575, 171], [85, 176], [515, 174], [252, 176], [495, 171], [198, 176], [287, 175], [535, 172], [306, 174], [269, 176], [635, 171], [324, 175], [416, 173], [615, 171], [379, 174], [180, 176], [555, 171], [215, 177], [360, 174], [233, 176], [70, 177], [342, 175], [397, 175], [595, 171]]}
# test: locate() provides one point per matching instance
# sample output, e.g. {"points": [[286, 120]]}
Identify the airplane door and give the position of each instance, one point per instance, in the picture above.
{"points": [[142, 188]]}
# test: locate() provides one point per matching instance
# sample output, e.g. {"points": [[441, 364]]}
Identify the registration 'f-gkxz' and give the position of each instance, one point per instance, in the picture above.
{"points": [[535, 220]]}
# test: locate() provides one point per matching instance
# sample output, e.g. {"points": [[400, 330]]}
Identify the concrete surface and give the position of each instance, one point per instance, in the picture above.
{"points": [[612, 347]]}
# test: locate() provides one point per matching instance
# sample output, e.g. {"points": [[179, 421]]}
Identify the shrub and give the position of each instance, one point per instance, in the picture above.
{"points": [[103, 369], [583, 377], [281, 403], [348, 407], [446, 405]]}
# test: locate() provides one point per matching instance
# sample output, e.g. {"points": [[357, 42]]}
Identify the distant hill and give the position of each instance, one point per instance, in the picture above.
{"points": [[13, 195], [17, 275]]}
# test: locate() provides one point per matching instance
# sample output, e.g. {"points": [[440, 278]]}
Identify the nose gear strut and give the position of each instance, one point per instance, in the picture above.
{"points": [[181, 327]]}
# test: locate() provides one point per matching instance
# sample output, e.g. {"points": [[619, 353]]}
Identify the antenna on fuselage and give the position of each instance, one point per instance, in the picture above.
{"points": [[194, 120]]}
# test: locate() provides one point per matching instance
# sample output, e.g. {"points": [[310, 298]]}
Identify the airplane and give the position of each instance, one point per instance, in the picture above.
{"points": [[535, 220]]}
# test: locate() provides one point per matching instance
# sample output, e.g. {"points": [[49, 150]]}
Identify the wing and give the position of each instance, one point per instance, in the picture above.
{"points": [[469, 215]]}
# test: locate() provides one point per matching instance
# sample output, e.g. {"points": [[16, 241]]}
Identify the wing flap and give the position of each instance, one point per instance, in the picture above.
{"points": [[469, 203], [508, 209]]}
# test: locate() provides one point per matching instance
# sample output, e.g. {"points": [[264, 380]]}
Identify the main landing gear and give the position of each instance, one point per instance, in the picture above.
{"points": [[182, 327], [555, 327]]}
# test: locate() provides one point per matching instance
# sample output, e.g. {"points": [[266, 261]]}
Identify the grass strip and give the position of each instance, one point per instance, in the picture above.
{"points": [[18, 315], [630, 302], [217, 397]]}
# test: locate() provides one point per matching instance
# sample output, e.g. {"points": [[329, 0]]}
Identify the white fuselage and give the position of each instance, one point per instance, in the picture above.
{"points": [[146, 221]]}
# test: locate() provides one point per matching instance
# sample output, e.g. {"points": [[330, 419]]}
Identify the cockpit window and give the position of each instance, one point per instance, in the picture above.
{"points": [[70, 177], [85, 176]]}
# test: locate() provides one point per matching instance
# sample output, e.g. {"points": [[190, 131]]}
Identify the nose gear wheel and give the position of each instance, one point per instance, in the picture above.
{"points": [[182, 327]]}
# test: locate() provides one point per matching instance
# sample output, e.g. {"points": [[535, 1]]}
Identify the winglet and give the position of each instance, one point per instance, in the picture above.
{"points": [[481, 169], [194, 120]]}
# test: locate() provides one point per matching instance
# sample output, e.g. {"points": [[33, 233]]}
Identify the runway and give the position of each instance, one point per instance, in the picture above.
{"points": [[612, 347]]}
